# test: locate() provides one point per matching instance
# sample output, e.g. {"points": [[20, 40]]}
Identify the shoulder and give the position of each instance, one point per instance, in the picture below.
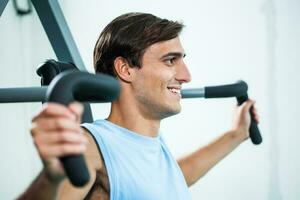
{"points": [[93, 154], [95, 165]]}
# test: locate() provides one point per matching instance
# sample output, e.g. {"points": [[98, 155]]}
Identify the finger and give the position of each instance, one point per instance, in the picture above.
{"points": [[247, 105], [256, 118], [60, 137], [61, 150], [55, 109], [254, 112], [77, 109], [254, 108], [47, 124]]}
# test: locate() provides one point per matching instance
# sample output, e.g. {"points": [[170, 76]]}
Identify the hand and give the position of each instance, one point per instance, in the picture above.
{"points": [[241, 123], [56, 132]]}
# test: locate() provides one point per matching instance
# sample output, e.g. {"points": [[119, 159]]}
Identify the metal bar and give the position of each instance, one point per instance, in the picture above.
{"points": [[30, 94], [61, 39], [193, 93], [3, 4], [58, 32], [37, 94]]}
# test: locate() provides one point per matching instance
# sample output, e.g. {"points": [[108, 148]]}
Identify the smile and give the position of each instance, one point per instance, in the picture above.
{"points": [[175, 90]]}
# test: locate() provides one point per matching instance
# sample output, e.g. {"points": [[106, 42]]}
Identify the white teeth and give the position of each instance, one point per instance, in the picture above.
{"points": [[177, 91]]}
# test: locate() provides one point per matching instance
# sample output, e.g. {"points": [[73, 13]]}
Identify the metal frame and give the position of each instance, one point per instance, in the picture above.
{"points": [[63, 44], [3, 4], [66, 50], [15, 95], [38, 94], [57, 30]]}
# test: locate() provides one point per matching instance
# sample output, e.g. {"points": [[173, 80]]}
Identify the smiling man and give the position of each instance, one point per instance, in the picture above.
{"points": [[126, 154]]}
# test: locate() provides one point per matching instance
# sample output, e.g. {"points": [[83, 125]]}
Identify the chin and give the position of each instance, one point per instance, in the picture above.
{"points": [[170, 112]]}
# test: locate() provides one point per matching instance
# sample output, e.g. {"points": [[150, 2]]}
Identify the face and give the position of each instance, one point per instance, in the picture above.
{"points": [[158, 82]]}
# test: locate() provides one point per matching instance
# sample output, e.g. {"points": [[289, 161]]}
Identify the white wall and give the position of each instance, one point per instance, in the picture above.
{"points": [[257, 41], [23, 45]]}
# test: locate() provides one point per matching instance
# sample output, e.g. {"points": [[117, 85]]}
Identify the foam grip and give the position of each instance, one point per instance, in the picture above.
{"points": [[75, 85], [255, 135], [76, 169], [231, 90]]}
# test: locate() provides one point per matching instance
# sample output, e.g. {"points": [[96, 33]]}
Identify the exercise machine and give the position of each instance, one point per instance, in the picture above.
{"points": [[69, 84]]}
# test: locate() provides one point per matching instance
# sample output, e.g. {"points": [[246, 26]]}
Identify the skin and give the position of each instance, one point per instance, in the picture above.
{"points": [[145, 92]]}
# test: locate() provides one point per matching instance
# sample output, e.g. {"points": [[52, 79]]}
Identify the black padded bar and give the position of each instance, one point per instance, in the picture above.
{"points": [[238, 90], [58, 32], [49, 69], [254, 132], [231, 90], [81, 86], [3, 4], [220, 91], [17, 95]]}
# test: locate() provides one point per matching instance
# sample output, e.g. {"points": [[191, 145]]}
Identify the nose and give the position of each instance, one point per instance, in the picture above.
{"points": [[183, 74]]}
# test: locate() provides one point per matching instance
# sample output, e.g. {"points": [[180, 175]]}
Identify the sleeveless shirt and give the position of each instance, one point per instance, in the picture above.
{"points": [[138, 167]]}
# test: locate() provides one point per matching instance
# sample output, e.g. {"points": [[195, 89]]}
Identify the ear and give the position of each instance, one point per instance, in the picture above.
{"points": [[123, 69]]}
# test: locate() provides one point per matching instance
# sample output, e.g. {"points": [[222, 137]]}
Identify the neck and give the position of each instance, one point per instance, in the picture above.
{"points": [[126, 115]]}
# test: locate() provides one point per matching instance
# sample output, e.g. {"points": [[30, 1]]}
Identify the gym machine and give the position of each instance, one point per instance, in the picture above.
{"points": [[71, 81]]}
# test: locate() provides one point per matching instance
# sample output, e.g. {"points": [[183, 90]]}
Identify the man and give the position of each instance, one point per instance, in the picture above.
{"points": [[126, 156]]}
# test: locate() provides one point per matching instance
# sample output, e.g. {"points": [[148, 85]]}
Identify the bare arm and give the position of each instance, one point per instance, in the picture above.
{"points": [[197, 164], [94, 163], [56, 132], [41, 188]]}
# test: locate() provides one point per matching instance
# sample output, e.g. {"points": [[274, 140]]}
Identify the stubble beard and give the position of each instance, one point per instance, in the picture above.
{"points": [[157, 110]]}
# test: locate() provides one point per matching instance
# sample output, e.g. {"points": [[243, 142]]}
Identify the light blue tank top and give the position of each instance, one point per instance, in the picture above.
{"points": [[138, 167]]}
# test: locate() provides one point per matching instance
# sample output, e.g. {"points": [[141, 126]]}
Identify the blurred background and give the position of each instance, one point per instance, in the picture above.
{"points": [[257, 41]]}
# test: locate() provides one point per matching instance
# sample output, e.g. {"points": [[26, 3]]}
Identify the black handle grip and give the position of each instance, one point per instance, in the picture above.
{"points": [[238, 90], [81, 86], [255, 135], [231, 90]]}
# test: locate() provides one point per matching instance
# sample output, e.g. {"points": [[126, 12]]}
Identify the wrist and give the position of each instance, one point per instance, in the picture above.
{"points": [[53, 180], [238, 135]]}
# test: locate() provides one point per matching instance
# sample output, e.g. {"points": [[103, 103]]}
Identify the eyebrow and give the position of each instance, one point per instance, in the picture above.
{"points": [[175, 54]]}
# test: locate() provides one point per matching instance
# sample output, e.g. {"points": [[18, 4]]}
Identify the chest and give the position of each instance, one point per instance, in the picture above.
{"points": [[147, 176]]}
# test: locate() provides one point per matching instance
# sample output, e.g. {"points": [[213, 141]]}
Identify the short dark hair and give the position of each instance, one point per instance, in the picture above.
{"points": [[128, 36]]}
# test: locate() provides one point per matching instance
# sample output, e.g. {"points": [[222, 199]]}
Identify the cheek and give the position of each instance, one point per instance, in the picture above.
{"points": [[155, 81], [150, 79]]}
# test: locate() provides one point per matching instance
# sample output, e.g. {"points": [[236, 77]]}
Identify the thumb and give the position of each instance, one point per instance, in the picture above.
{"points": [[246, 106], [77, 108]]}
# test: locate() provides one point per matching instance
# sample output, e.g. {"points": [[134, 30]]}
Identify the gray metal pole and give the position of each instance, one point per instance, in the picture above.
{"points": [[30, 94], [193, 93], [3, 4], [61, 39], [37, 94], [58, 32]]}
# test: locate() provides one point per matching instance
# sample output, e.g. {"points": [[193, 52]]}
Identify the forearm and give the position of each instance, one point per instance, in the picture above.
{"points": [[197, 164], [41, 188]]}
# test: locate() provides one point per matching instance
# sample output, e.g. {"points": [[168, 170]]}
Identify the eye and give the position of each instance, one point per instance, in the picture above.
{"points": [[170, 60]]}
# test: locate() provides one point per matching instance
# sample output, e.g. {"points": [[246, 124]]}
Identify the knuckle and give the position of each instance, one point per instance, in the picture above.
{"points": [[36, 117], [58, 123], [64, 136], [35, 132], [43, 152], [80, 108], [46, 109]]}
